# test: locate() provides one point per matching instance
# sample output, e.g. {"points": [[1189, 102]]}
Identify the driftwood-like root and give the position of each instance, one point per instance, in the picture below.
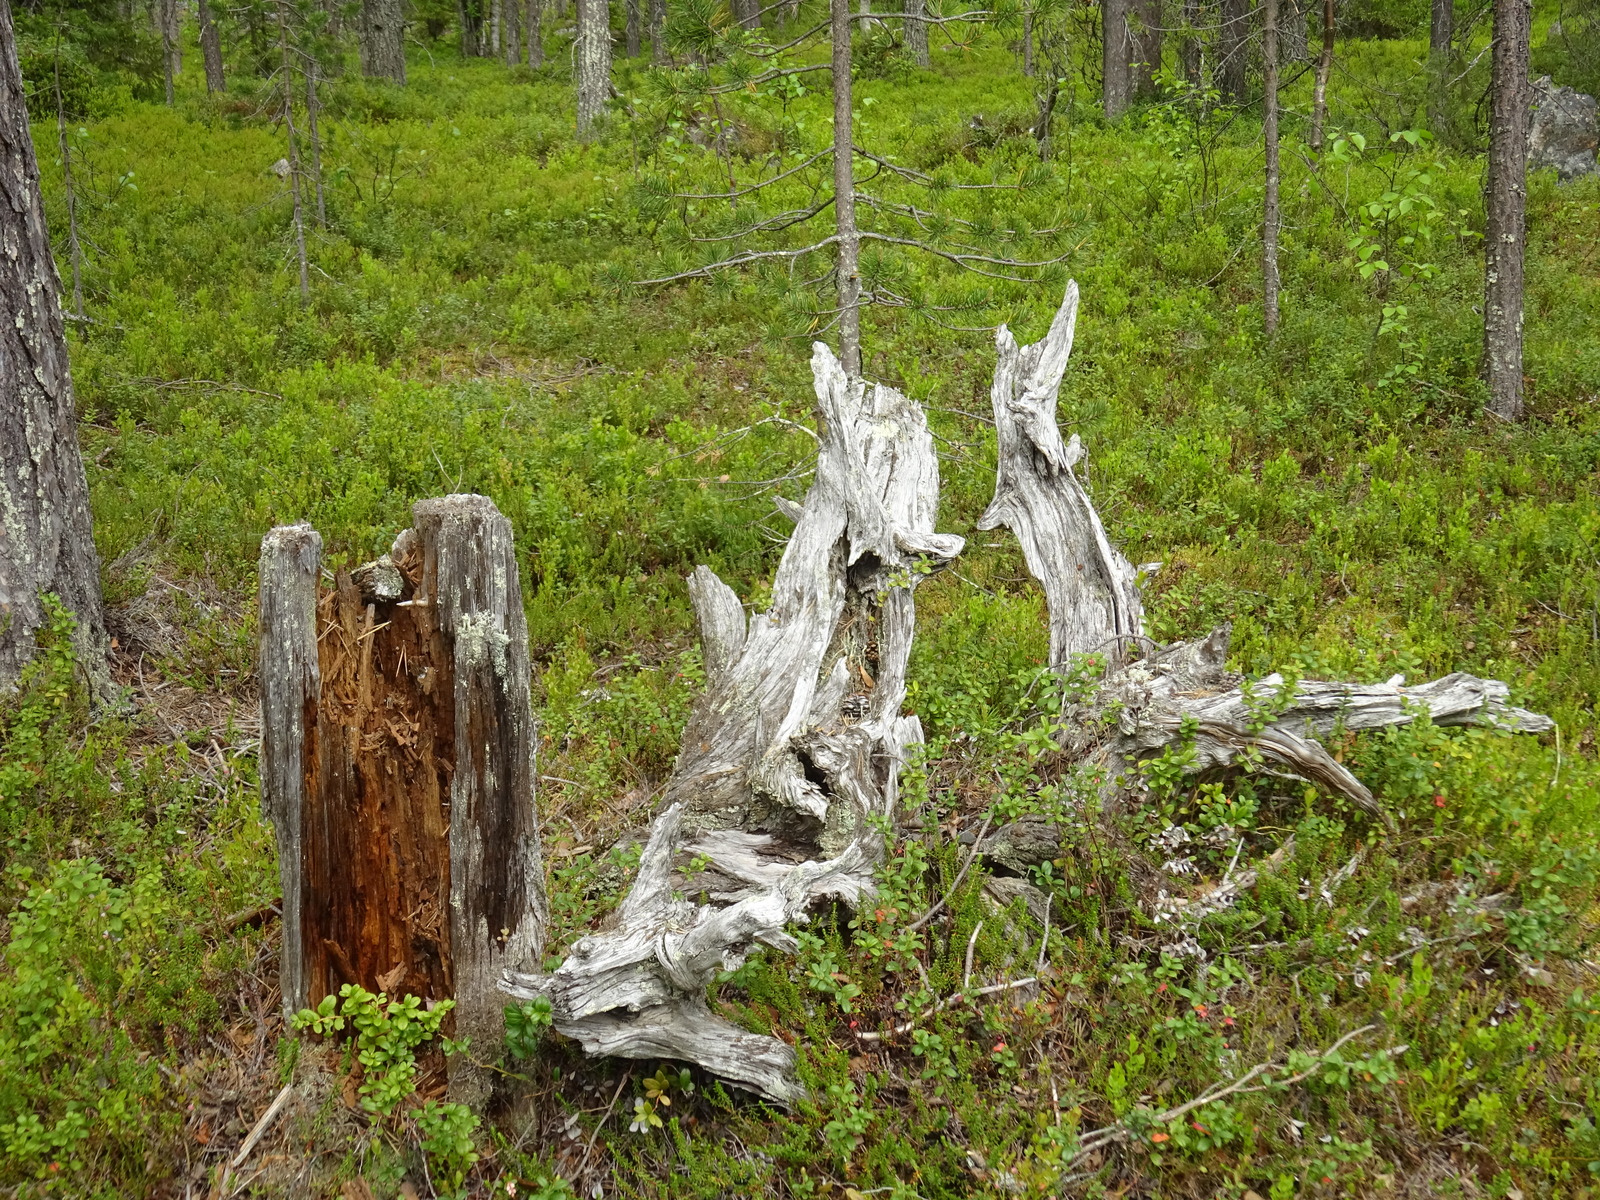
{"points": [[790, 759], [1180, 696]]}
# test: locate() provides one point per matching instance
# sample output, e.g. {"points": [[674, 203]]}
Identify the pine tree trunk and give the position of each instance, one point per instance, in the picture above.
{"points": [[1441, 41], [397, 765], [382, 40], [313, 106], [469, 15], [917, 32], [211, 50], [1116, 76], [844, 194], [1506, 202], [296, 183], [1191, 50], [166, 21], [632, 34], [46, 536], [1271, 218], [1319, 91], [1233, 51], [513, 32], [1147, 45], [1027, 43], [658, 31], [535, 33], [593, 62]]}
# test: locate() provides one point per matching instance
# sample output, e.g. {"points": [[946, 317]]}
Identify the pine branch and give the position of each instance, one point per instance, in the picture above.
{"points": [[754, 187], [930, 181]]}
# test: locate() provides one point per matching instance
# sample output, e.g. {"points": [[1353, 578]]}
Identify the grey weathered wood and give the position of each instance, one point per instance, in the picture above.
{"points": [[398, 769], [1091, 589], [46, 536], [592, 63], [498, 911], [1183, 691], [787, 758], [290, 565]]}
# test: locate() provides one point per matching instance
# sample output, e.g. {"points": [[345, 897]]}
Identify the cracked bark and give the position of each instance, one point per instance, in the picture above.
{"points": [[46, 534]]}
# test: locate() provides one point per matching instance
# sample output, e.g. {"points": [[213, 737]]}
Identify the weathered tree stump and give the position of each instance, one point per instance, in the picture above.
{"points": [[398, 768], [791, 752], [1182, 692]]}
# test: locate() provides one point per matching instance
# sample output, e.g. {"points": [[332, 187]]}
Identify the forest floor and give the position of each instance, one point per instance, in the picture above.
{"points": [[473, 325]]}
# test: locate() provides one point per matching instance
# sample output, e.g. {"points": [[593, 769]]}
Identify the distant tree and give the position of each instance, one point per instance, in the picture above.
{"points": [[1116, 63], [46, 537], [1319, 90], [1146, 45], [1271, 217], [592, 62], [1233, 51], [211, 49], [381, 37], [535, 33], [1506, 204]]}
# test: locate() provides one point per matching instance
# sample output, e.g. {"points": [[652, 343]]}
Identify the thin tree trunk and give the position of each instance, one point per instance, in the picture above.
{"points": [[1233, 51], [74, 246], [594, 62], [397, 766], [382, 40], [1116, 77], [313, 103], [916, 33], [844, 195], [1190, 53], [211, 50], [632, 32], [535, 33], [48, 541], [658, 31], [864, 11], [1027, 42], [1319, 92], [1441, 41], [1505, 227], [166, 18], [1270, 215], [299, 218], [469, 15], [513, 32]]}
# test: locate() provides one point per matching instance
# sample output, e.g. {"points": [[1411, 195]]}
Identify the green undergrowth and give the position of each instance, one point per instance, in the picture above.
{"points": [[473, 326]]}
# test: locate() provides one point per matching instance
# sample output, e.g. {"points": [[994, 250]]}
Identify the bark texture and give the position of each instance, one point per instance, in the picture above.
{"points": [[398, 768], [535, 33], [211, 49], [1180, 695], [1147, 42], [593, 60], [1319, 89], [788, 756], [46, 535], [917, 32], [1233, 51], [1441, 46], [1116, 72], [1506, 208], [382, 39]]}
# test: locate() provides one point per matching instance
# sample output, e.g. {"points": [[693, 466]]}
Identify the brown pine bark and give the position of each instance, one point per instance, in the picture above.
{"points": [[46, 536], [1147, 44], [211, 49], [1190, 49], [1505, 208], [398, 770], [1233, 51]]}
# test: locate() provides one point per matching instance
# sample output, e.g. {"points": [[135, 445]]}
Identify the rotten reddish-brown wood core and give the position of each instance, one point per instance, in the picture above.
{"points": [[380, 755]]}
